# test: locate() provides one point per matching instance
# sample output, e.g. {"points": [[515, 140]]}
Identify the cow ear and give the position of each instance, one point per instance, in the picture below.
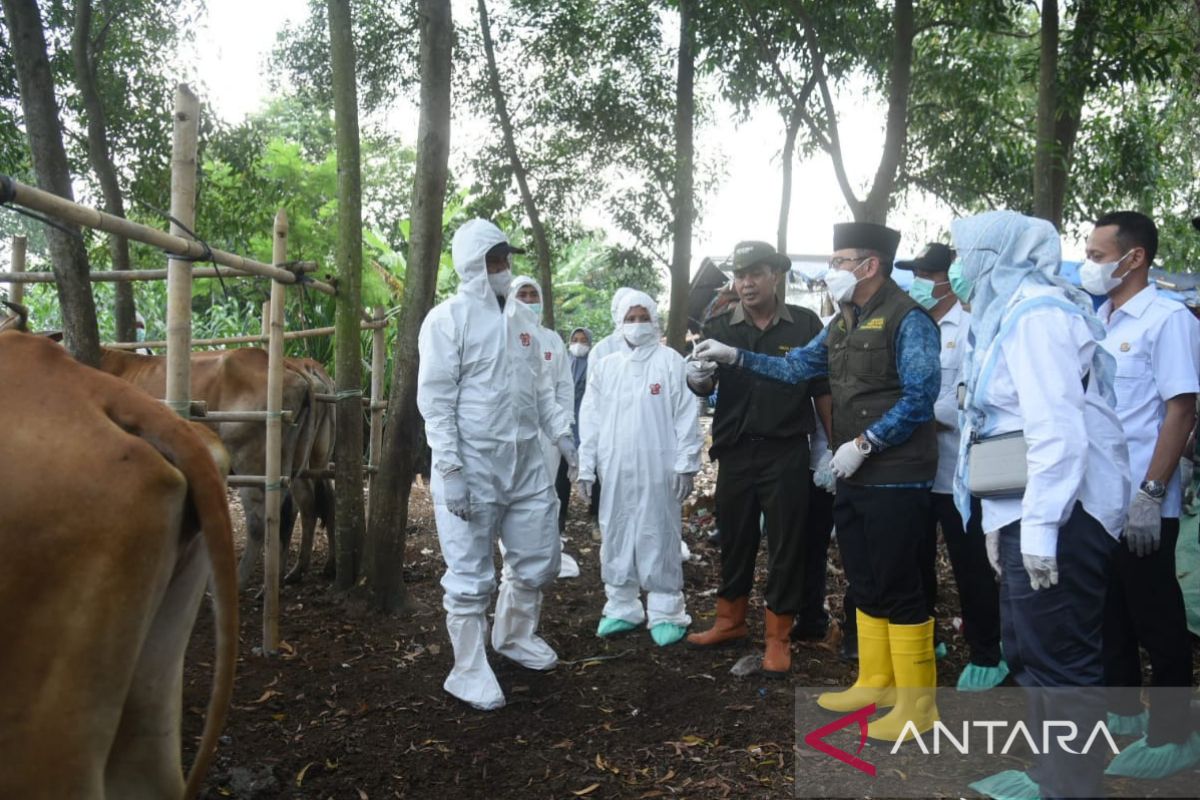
{"points": [[54, 336]]}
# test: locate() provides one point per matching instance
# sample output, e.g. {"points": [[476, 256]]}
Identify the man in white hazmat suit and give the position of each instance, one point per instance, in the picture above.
{"points": [[640, 434], [480, 391], [556, 371]]}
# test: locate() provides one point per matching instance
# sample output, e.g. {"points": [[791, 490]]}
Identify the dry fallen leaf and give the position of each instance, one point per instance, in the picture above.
{"points": [[267, 695], [586, 790], [300, 775]]}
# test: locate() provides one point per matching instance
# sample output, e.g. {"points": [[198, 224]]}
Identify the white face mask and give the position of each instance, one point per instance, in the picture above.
{"points": [[639, 333], [500, 281], [579, 349], [1097, 278], [841, 283]]}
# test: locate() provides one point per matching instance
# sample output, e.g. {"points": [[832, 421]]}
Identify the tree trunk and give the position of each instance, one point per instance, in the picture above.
{"points": [[44, 131], [102, 163], [348, 353], [402, 442], [1074, 80], [1046, 153], [541, 243], [879, 200], [787, 157], [684, 201]]}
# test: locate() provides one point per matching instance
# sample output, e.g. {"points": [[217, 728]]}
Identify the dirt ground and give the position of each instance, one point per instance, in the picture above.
{"points": [[353, 707]]}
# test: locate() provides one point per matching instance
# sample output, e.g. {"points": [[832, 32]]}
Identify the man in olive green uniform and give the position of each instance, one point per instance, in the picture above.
{"points": [[881, 355], [760, 438]]}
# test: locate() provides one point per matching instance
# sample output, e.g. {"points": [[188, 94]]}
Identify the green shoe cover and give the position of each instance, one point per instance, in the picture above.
{"points": [[1127, 726], [1139, 760], [939, 652], [609, 626], [665, 633], [1012, 784], [975, 678]]}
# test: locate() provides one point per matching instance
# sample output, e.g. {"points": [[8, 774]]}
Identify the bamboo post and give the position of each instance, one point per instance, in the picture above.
{"points": [[179, 273], [274, 488], [266, 319], [16, 291], [378, 368]]}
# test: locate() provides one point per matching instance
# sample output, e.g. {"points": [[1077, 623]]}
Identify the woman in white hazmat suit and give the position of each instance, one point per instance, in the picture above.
{"points": [[558, 373], [480, 391], [640, 435]]}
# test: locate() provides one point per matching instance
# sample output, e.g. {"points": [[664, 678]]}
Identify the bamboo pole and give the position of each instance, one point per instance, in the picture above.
{"points": [[266, 320], [248, 339], [174, 243], [16, 289], [123, 276], [274, 490], [378, 368], [179, 273]]}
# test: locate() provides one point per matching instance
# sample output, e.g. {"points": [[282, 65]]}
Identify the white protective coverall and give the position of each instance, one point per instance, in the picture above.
{"points": [[639, 428], [480, 391], [558, 373]]}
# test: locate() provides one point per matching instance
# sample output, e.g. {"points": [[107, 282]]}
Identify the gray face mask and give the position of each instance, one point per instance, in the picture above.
{"points": [[500, 282]]}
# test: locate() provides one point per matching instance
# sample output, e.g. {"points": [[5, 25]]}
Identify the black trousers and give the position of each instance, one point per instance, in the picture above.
{"points": [[879, 532], [818, 525], [562, 487], [1144, 606], [766, 478], [1052, 645], [978, 593]]}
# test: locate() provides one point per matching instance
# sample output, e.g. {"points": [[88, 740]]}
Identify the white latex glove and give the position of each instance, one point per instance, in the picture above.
{"points": [[712, 350], [456, 495], [585, 489], [1143, 527], [992, 542], [1043, 570], [570, 454], [847, 460], [683, 483], [700, 375], [823, 475]]}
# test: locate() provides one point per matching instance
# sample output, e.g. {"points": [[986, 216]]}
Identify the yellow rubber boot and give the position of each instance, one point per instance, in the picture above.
{"points": [[915, 666], [875, 676]]}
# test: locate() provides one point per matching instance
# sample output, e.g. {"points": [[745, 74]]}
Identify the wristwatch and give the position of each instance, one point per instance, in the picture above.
{"points": [[864, 445], [1156, 490]]}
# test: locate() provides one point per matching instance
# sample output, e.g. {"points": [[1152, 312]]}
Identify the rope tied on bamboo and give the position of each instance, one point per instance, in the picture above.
{"points": [[274, 486], [345, 394]]}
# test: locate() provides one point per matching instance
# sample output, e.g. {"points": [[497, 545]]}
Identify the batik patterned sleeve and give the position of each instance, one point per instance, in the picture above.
{"points": [[798, 364], [918, 349]]}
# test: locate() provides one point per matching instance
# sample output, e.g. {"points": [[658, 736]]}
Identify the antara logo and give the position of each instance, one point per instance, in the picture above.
{"points": [[816, 739], [655, 388], [526, 339]]}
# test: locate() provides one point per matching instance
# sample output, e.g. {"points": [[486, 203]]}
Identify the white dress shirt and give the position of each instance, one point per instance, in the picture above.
{"points": [[1076, 446], [953, 327], [1156, 342]]}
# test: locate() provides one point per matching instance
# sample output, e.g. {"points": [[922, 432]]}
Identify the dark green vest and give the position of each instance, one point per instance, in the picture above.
{"points": [[865, 384]]}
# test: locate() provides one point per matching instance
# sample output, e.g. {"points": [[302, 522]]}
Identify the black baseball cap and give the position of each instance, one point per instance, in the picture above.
{"points": [[501, 251], [749, 254], [936, 257]]}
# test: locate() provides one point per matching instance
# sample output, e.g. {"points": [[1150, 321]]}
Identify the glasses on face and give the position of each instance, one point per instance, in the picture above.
{"points": [[837, 261]]}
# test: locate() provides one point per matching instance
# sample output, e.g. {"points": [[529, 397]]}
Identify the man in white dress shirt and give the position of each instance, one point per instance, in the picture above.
{"points": [[1156, 343], [977, 592], [1036, 369]]}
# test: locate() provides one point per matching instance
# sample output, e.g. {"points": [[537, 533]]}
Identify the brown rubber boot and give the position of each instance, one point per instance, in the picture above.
{"points": [[777, 658], [729, 627]]}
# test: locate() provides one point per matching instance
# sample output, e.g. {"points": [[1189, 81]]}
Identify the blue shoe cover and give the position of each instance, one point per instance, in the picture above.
{"points": [[975, 678], [1140, 760], [609, 626], [665, 633], [1012, 784], [939, 652], [1127, 726]]}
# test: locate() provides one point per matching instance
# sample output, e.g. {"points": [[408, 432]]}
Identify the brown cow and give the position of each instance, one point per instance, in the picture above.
{"points": [[111, 512], [232, 380]]}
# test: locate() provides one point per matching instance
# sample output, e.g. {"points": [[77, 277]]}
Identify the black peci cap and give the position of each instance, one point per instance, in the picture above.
{"points": [[866, 236]]}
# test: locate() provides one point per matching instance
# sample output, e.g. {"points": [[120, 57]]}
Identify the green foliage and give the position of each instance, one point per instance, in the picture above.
{"points": [[589, 271]]}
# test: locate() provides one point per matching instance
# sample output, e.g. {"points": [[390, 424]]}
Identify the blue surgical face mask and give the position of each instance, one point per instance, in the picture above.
{"points": [[961, 285], [536, 308], [922, 291]]}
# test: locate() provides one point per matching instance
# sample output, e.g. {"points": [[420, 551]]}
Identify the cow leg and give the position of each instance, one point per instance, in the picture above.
{"points": [[145, 760], [305, 502], [253, 505], [326, 506]]}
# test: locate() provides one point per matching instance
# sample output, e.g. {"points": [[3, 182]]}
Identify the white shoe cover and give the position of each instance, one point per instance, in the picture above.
{"points": [[472, 679], [514, 632]]}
